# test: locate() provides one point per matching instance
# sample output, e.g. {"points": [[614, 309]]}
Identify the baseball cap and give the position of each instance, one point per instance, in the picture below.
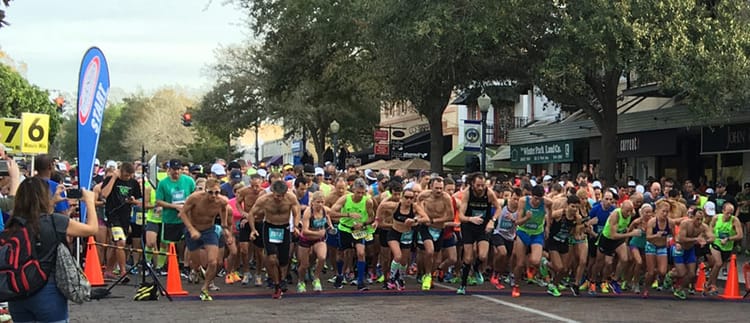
{"points": [[96, 162], [262, 173], [710, 208], [369, 174], [288, 167], [710, 191], [111, 164], [173, 164], [233, 165], [546, 178], [236, 175], [631, 183], [596, 184], [196, 169], [218, 169], [319, 171], [721, 184], [640, 189]]}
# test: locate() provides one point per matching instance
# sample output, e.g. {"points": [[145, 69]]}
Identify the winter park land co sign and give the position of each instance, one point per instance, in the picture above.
{"points": [[540, 153]]}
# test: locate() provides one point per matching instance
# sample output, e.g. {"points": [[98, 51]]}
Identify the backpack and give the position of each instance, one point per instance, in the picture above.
{"points": [[21, 273], [70, 278]]}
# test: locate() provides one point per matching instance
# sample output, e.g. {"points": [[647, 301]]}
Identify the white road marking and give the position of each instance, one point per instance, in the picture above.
{"points": [[516, 306]]}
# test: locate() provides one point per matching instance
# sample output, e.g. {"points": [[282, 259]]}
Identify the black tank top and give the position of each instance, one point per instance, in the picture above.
{"points": [[560, 229], [398, 216], [478, 206]]}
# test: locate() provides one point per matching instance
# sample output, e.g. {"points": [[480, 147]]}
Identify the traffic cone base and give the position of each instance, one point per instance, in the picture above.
{"points": [[732, 288], [174, 282], [93, 267], [700, 280]]}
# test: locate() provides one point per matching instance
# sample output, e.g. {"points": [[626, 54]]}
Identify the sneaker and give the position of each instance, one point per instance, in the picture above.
{"points": [[712, 290], [624, 286], [193, 277], [448, 277], [401, 284], [220, 273], [276, 293], [212, 287], [461, 290], [574, 290], [426, 282], [362, 288], [494, 280], [480, 278], [229, 279], [615, 286], [472, 281], [679, 293], [332, 279], [258, 281], [637, 289], [584, 286], [655, 285], [381, 279], [301, 288], [236, 277], [499, 285], [391, 285], [205, 297], [246, 279], [605, 288], [592, 289], [667, 282], [516, 292], [338, 282], [552, 290], [317, 286]]}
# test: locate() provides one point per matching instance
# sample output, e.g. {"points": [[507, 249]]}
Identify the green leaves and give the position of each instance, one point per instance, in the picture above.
{"points": [[17, 95]]}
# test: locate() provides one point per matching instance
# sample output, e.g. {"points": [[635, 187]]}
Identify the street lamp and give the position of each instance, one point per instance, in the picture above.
{"points": [[484, 103], [335, 127]]}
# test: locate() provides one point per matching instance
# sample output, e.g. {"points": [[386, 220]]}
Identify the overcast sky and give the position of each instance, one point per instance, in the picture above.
{"points": [[148, 44]]}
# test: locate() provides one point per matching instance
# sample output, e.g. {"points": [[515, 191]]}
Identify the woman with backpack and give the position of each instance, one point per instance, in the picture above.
{"points": [[33, 212]]}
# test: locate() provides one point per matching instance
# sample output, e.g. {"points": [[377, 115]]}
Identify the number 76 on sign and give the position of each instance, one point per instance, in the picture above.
{"points": [[30, 134]]}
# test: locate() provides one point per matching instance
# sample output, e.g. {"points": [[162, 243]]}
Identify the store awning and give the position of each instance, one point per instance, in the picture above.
{"points": [[276, 160], [503, 153], [456, 158]]}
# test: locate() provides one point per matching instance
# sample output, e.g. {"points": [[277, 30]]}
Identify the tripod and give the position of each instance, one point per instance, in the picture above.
{"points": [[145, 266]]}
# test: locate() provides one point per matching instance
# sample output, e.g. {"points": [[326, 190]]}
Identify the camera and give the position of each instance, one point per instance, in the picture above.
{"points": [[73, 193]]}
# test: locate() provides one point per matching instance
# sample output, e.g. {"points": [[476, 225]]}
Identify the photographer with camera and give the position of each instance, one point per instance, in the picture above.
{"points": [[44, 166], [121, 192]]}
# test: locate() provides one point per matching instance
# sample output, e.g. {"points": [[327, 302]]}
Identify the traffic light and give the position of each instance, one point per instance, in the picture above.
{"points": [[187, 119]]}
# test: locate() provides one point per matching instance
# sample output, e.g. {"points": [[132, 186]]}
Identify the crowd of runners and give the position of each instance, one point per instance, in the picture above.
{"points": [[315, 228]]}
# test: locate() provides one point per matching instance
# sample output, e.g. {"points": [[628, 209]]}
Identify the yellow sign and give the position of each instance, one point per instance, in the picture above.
{"points": [[10, 133], [35, 133]]}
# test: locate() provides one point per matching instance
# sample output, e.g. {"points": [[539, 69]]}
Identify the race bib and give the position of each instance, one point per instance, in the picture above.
{"points": [[407, 237], [723, 235], [479, 213], [275, 235], [505, 224], [531, 226], [359, 234], [178, 196], [561, 236]]}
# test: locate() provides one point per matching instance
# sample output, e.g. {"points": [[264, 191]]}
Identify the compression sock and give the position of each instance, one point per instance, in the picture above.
{"points": [[394, 269], [465, 273], [161, 260], [340, 267], [361, 269]]}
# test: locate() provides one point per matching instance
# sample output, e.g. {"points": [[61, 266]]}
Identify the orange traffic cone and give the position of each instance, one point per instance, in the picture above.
{"points": [[732, 288], [700, 280], [174, 283], [93, 267]]}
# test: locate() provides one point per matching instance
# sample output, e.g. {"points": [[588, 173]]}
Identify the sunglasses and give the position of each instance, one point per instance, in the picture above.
{"points": [[213, 192], [408, 197]]}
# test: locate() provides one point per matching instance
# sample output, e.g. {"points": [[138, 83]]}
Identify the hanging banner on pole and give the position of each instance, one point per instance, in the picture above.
{"points": [[93, 88], [472, 135]]}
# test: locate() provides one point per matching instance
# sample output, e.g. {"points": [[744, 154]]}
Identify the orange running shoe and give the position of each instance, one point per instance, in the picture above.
{"points": [[516, 291]]}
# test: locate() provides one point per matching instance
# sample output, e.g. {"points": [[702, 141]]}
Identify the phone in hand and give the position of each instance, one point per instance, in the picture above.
{"points": [[73, 193], [4, 168]]}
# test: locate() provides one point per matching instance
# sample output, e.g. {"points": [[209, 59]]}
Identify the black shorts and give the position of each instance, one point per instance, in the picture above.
{"points": [[427, 233], [554, 245], [382, 237], [172, 232], [276, 241], [724, 254], [405, 242], [348, 242], [136, 230], [704, 251], [258, 242], [607, 246], [471, 233], [154, 227], [498, 240], [592, 247], [243, 234], [744, 217]]}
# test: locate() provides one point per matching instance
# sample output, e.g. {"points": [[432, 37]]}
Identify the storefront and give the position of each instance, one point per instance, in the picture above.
{"points": [[553, 157], [643, 154], [729, 147]]}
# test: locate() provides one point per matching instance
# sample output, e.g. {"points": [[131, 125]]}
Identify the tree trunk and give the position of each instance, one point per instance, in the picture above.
{"points": [[319, 142], [608, 159], [436, 104]]}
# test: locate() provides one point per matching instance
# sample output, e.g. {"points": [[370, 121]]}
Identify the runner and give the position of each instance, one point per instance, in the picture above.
{"points": [[122, 192], [693, 234], [246, 198], [727, 229], [277, 208], [611, 242], [579, 241], [439, 208], [562, 224], [657, 231], [384, 218], [407, 215], [171, 194], [637, 246], [315, 221], [504, 236], [198, 215], [357, 215], [528, 247], [474, 214], [335, 254], [599, 214]]}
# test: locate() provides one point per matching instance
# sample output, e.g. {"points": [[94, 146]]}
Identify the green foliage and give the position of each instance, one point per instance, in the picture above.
{"points": [[110, 142], [17, 95]]}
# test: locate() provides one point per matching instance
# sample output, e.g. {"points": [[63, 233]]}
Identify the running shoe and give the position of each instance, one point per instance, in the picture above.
{"points": [[212, 287], [246, 279], [461, 290], [655, 285], [667, 281], [574, 290], [448, 277], [380, 279], [712, 291], [615, 286], [205, 296], [516, 292], [624, 286], [679, 293], [637, 289], [401, 284], [479, 277], [362, 288], [301, 288], [494, 280], [426, 282], [338, 282], [258, 281], [499, 285], [584, 286], [276, 293], [592, 289], [552, 290], [317, 286], [236, 277], [229, 279], [161, 271], [332, 279], [472, 281], [392, 285], [605, 288]]}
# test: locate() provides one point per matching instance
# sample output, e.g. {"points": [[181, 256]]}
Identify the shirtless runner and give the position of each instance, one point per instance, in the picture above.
{"points": [[694, 233], [277, 208], [246, 198], [198, 215], [438, 206]]}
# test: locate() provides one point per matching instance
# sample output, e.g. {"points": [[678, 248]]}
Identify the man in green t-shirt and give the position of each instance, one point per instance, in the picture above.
{"points": [[171, 194]]}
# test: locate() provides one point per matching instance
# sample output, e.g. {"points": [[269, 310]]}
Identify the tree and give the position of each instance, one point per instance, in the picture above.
{"points": [[110, 140], [314, 70], [2, 14], [687, 46], [17, 95]]}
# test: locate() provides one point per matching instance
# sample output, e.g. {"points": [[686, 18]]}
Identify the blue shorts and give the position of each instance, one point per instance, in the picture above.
{"points": [[447, 243], [208, 237], [684, 256], [530, 240], [652, 249], [334, 240]]}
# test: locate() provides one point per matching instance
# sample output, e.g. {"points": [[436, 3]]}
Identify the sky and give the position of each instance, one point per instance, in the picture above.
{"points": [[148, 44]]}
